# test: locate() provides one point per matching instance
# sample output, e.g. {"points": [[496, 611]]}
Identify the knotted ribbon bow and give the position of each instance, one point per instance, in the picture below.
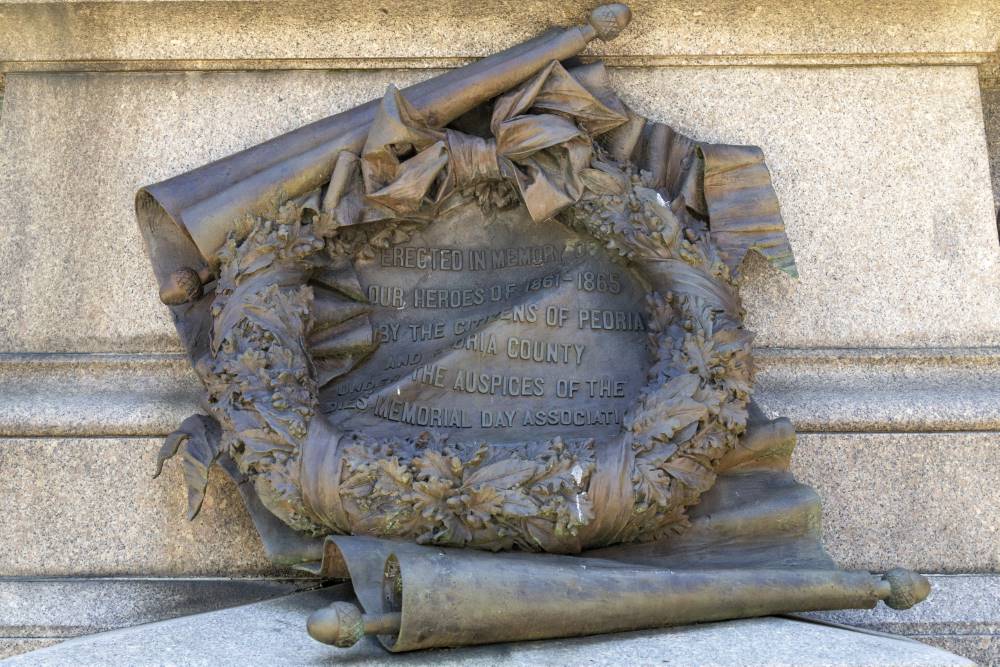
{"points": [[541, 144]]}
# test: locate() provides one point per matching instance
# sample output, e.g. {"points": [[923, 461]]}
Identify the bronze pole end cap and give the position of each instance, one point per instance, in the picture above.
{"points": [[339, 624], [907, 588], [184, 285], [608, 21]]}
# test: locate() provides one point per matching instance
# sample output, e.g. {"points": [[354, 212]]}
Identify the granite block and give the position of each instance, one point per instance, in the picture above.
{"points": [[884, 184], [89, 506], [961, 615], [959, 604], [991, 116], [984, 650], [924, 501], [273, 633], [882, 173], [74, 149]]}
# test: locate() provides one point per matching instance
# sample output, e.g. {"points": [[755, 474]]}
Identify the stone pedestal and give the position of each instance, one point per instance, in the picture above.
{"points": [[879, 123], [266, 633]]}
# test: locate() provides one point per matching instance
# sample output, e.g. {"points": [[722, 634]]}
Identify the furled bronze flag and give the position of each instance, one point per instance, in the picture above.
{"points": [[477, 347]]}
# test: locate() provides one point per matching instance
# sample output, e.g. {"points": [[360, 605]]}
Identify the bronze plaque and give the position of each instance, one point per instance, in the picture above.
{"points": [[498, 311], [492, 326]]}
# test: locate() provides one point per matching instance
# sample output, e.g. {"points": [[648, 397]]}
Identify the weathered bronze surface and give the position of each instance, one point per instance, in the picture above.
{"points": [[499, 311], [544, 598]]}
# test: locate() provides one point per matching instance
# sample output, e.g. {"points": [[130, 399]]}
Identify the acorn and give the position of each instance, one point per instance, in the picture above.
{"points": [[184, 286], [608, 21]]}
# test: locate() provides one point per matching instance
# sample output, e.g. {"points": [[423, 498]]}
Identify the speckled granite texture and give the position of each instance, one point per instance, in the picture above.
{"points": [[885, 238], [886, 351], [312, 29], [209, 639]]}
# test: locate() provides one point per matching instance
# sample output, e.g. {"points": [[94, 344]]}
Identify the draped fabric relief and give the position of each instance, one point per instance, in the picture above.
{"points": [[646, 194], [496, 312]]}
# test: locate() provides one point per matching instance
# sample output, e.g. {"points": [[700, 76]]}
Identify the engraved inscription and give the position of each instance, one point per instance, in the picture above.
{"points": [[468, 259], [495, 384], [541, 351], [498, 327]]}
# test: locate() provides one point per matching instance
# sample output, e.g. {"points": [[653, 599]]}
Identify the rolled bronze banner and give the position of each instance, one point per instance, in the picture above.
{"points": [[434, 599], [185, 219]]}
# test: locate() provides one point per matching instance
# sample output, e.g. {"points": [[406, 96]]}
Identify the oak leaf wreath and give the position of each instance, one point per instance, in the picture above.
{"points": [[560, 495]]}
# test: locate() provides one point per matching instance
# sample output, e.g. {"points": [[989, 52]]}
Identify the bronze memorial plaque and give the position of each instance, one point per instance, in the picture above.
{"points": [[496, 327], [496, 312]]}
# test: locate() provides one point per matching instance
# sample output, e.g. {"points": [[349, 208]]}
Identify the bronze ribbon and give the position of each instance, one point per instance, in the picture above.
{"points": [[319, 475], [541, 144]]}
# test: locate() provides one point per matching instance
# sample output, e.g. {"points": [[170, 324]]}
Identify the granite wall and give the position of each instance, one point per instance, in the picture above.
{"points": [[880, 125]]}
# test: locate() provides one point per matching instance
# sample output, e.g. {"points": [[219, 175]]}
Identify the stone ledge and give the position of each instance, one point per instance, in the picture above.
{"points": [[881, 390], [196, 33], [959, 604], [11, 646], [831, 390], [360, 63], [57, 608], [272, 633], [961, 615], [36, 613], [60, 607], [95, 394], [923, 501]]}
